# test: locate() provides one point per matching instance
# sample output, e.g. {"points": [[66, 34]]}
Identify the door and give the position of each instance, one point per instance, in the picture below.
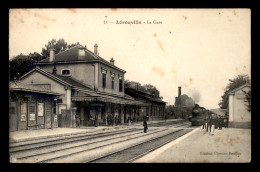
{"points": [[32, 123], [40, 115], [13, 125], [48, 115]]}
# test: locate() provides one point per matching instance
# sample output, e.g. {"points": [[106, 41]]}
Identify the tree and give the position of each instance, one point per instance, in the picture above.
{"points": [[147, 88], [150, 89], [233, 83], [59, 46], [19, 65], [35, 56], [248, 99], [71, 45]]}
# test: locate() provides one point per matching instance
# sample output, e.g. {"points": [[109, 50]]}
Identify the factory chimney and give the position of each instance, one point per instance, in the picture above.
{"points": [[179, 95]]}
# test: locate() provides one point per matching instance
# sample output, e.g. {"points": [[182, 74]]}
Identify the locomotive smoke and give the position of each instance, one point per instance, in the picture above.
{"points": [[196, 96]]}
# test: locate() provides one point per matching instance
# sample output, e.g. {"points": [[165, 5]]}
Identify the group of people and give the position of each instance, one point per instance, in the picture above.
{"points": [[213, 122], [111, 119]]}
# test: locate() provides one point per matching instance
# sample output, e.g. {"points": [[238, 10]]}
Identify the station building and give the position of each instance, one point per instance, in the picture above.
{"points": [[84, 84], [31, 107], [239, 116]]}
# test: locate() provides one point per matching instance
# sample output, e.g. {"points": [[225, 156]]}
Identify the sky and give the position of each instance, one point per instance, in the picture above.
{"points": [[196, 49]]}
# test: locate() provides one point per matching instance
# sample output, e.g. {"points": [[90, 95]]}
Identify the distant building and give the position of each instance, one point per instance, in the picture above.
{"points": [[154, 108], [180, 109], [239, 116]]}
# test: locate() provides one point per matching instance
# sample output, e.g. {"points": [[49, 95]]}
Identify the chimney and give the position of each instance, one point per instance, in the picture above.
{"points": [[112, 61], [179, 92], [52, 55], [54, 71], [179, 96], [96, 50], [81, 53]]}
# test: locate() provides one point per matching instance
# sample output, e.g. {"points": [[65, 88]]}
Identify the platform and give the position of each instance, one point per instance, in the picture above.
{"points": [[228, 145]]}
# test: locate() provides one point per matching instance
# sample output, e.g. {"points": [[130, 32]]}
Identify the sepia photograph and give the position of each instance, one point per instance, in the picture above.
{"points": [[121, 85]]}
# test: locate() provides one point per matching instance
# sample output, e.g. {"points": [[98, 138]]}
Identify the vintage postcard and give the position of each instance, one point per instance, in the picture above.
{"points": [[129, 85]]}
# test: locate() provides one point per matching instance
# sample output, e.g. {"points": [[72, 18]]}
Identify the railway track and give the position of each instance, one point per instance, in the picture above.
{"points": [[137, 151], [68, 148], [41, 143], [166, 123]]}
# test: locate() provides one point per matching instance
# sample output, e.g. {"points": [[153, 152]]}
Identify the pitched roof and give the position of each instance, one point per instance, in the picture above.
{"points": [[64, 80], [143, 95], [19, 86], [71, 81], [71, 55], [236, 89]]}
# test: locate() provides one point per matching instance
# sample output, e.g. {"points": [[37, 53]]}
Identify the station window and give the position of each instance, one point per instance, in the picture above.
{"points": [[104, 74], [112, 80], [54, 108], [65, 72], [120, 84], [112, 83], [104, 80]]}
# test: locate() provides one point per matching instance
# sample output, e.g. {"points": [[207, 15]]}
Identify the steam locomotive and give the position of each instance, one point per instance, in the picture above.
{"points": [[198, 115]]}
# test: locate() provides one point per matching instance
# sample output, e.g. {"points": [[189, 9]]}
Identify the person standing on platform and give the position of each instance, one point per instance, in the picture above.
{"points": [[145, 125], [213, 124], [108, 119], [77, 120], [217, 122], [221, 122], [96, 120], [204, 123], [225, 122], [129, 120], [209, 124]]}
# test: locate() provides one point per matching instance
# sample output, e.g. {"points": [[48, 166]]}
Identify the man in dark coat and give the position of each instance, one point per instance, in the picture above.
{"points": [[204, 123], [209, 123], [217, 121], [145, 125], [226, 121], [96, 120], [221, 122]]}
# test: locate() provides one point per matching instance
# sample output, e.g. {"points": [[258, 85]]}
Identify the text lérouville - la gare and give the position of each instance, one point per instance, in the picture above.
{"points": [[138, 22]]}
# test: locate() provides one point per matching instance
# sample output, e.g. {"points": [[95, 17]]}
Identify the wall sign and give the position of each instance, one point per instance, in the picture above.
{"points": [[23, 108], [40, 109], [23, 117], [32, 117]]}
